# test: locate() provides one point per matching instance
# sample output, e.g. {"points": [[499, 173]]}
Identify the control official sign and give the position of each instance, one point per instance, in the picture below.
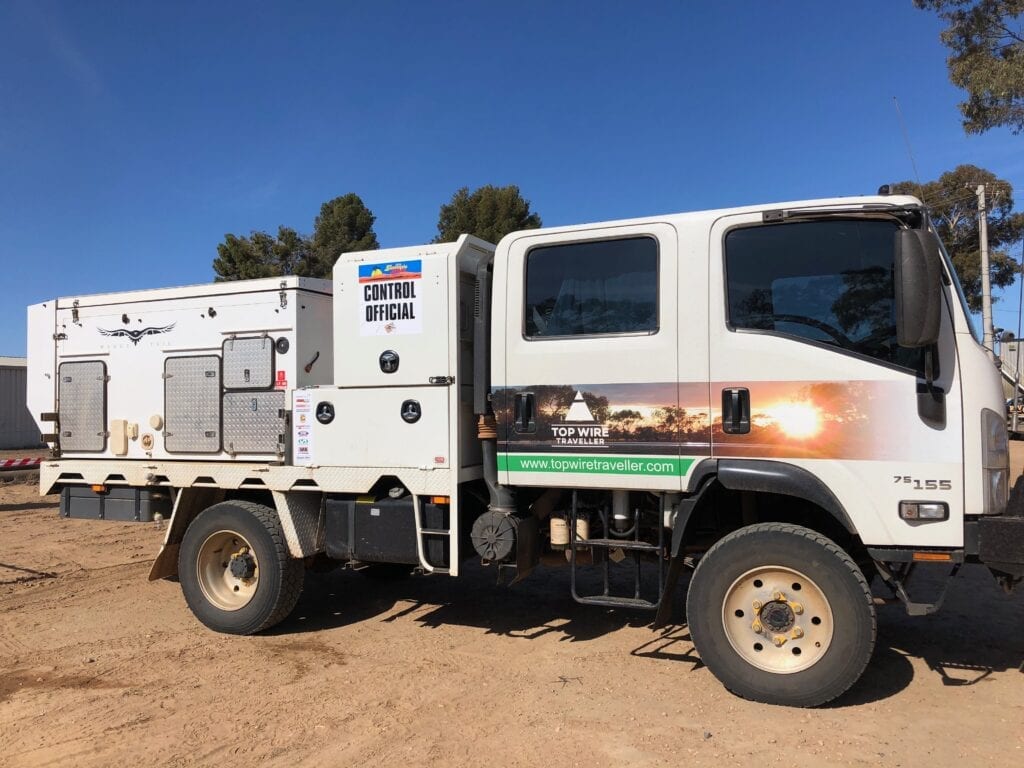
{"points": [[390, 298]]}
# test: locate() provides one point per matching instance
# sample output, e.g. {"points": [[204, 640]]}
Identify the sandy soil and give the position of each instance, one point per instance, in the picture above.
{"points": [[99, 667]]}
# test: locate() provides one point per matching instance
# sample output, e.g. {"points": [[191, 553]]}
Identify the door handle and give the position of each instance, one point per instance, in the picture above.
{"points": [[736, 411], [524, 418]]}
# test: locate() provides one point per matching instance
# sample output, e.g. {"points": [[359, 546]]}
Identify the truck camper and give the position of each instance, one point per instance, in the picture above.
{"points": [[772, 405]]}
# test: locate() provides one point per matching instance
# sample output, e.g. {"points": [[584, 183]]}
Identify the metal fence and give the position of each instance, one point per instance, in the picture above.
{"points": [[17, 429]]}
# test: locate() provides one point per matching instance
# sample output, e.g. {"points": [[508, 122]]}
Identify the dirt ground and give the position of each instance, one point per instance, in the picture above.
{"points": [[99, 667]]}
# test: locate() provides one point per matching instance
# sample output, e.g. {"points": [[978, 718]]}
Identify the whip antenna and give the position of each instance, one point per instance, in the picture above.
{"points": [[910, 151]]}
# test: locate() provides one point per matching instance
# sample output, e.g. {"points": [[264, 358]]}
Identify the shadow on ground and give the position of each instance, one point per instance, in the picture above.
{"points": [[974, 638], [23, 506]]}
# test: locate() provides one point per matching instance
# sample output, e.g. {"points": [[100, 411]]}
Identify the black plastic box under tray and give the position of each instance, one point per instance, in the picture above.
{"points": [[128, 505], [383, 531]]}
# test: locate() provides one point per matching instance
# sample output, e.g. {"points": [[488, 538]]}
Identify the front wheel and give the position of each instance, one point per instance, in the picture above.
{"points": [[781, 615], [235, 569]]}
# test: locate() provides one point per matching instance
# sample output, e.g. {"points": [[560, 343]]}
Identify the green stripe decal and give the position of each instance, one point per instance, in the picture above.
{"points": [[657, 466]]}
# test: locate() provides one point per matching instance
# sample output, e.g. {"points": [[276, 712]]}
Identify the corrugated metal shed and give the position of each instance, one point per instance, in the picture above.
{"points": [[17, 429]]}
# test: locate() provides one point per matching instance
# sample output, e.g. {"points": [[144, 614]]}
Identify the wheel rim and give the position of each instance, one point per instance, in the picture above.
{"points": [[227, 570], [777, 619]]}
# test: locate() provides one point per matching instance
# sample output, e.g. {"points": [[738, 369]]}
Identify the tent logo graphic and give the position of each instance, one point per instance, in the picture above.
{"points": [[579, 410], [579, 428]]}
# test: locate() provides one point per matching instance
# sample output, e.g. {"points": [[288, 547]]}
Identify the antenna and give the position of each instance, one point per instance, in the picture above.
{"points": [[910, 151]]}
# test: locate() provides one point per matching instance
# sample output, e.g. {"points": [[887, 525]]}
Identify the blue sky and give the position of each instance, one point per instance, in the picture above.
{"points": [[134, 135]]}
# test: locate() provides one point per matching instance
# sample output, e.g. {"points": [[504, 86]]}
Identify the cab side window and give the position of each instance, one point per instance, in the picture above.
{"points": [[829, 282], [593, 288]]}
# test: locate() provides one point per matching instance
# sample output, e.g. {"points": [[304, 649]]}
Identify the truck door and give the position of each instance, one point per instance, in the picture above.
{"points": [[806, 372], [591, 394]]}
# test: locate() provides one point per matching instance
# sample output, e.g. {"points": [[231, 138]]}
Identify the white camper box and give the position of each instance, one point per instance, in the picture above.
{"points": [[200, 372]]}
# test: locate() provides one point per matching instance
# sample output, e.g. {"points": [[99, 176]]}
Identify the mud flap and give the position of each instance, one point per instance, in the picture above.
{"points": [[527, 547]]}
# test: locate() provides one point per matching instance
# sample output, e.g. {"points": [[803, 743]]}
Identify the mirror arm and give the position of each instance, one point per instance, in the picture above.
{"points": [[929, 365]]}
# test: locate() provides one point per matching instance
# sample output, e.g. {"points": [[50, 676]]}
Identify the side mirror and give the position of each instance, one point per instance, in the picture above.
{"points": [[918, 288]]}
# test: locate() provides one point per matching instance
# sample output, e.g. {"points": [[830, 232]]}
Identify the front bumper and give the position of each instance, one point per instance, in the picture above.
{"points": [[1000, 538]]}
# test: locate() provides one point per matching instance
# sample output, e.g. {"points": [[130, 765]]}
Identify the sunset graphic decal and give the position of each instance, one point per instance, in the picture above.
{"points": [[789, 419]]}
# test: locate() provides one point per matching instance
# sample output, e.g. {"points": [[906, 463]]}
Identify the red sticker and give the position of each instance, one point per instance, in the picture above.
{"points": [[282, 380]]}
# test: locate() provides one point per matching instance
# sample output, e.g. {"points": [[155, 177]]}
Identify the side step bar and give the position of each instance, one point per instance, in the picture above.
{"points": [[421, 532], [632, 545]]}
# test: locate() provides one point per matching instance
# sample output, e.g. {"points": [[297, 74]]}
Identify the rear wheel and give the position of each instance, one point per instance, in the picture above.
{"points": [[235, 570], [781, 615]]}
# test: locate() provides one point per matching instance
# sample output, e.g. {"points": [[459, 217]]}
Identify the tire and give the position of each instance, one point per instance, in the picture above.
{"points": [[824, 616], [235, 569]]}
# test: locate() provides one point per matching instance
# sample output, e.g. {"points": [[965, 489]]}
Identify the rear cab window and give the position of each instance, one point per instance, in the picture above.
{"points": [[594, 288]]}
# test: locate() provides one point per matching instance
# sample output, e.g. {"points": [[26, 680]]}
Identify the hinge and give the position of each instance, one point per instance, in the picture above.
{"points": [[769, 216], [60, 337], [74, 311], [441, 380], [283, 295]]}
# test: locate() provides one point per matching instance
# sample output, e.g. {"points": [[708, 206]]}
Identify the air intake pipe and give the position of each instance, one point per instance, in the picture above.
{"points": [[501, 500]]}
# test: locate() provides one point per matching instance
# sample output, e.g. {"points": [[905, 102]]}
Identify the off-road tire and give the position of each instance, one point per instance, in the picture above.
{"points": [[832, 571], [280, 576]]}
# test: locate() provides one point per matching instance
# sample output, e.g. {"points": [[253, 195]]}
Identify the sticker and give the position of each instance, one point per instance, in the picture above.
{"points": [[390, 300], [302, 430], [282, 380]]}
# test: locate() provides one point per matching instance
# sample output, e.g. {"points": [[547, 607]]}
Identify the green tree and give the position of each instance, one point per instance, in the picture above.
{"points": [[490, 213], [345, 224], [987, 59], [954, 211], [260, 255]]}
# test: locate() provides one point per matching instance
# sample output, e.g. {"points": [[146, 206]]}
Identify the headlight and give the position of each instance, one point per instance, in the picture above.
{"points": [[995, 462]]}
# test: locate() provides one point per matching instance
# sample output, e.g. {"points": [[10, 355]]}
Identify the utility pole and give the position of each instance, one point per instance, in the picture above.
{"points": [[986, 288], [1014, 427]]}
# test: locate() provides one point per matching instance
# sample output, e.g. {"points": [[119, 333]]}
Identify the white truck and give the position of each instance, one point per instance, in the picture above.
{"points": [[786, 400]]}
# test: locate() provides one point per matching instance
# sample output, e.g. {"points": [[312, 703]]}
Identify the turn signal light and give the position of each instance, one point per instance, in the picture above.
{"points": [[440, 499], [98, 488], [932, 557], [924, 510]]}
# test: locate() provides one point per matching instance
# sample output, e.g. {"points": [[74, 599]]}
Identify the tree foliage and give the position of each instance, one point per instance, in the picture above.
{"points": [[489, 213], [260, 255], [987, 60], [954, 211], [344, 224]]}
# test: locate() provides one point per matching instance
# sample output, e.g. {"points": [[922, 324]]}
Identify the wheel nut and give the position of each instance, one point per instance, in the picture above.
{"points": [[796, 608], [757, 627], [779, 596], [797, 633], [779, 640], [757, 605]]}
